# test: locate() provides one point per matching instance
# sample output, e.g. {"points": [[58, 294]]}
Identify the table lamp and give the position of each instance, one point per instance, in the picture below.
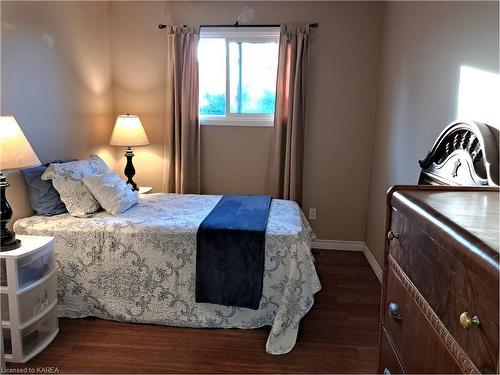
{"points": [[128, 131], [15, 153]]}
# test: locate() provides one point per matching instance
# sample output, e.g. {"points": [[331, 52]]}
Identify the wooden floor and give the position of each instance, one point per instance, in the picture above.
{"points": [[339, 335]]}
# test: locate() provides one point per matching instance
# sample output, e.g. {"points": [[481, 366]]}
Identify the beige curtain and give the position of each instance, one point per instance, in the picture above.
{"points": [[290, 113], [182, 134]]}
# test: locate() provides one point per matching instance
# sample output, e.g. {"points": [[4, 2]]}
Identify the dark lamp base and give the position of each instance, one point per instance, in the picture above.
{"points": [[130, 170], [12, 246], [8, 238]]}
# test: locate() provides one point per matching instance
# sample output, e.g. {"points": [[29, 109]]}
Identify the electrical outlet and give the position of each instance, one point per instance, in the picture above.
{"points": [[312, 214]]}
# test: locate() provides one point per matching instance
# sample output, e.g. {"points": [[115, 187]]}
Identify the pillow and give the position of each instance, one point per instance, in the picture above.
{"points": [[94, 165], [111, 192], [78, 200], [66, 179], [44, 199]]}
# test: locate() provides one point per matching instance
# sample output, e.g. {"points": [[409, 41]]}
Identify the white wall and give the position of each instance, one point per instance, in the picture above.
{"points": [[108, 58], [56, 80], [424, 46], [341, 106]]}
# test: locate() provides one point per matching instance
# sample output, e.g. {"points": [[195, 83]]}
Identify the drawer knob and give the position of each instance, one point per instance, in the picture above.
{"points": [[392, 235], [467, 322], [395, 311]]}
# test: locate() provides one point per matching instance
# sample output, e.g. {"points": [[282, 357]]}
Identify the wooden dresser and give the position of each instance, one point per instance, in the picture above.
{"points": [[440, 293]]}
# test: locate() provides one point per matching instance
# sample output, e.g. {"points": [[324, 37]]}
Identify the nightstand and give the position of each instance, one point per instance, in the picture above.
{"points": [[145, 189], [28, 292]]}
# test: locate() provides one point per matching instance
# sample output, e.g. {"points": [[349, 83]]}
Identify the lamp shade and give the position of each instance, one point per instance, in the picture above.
{"points": [[15, 150], [128, 131]]}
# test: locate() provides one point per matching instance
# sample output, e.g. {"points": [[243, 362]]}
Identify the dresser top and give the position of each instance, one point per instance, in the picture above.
{"points": [[476, 211]]}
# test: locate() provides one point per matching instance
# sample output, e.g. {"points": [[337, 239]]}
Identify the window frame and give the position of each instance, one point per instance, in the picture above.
{"points": [[241, 35]]}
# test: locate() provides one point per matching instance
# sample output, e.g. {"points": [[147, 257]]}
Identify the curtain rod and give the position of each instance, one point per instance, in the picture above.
{"points": [[314, 25]]}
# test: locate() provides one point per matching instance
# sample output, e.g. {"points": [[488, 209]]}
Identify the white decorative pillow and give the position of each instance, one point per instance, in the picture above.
{"points": [[66, 179], [111, 192], [77, 170], [78, 200]]}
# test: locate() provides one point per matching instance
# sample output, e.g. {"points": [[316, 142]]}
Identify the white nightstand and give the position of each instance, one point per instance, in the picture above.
{"points": [[28, 292], [145, 189]]}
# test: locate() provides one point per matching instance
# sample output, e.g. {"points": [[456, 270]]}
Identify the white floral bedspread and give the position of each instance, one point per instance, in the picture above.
{"points": [[140, 267]]}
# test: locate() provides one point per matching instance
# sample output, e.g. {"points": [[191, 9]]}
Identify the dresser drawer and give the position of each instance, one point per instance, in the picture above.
{"points": [[416, 342], [33, 302], [388, 363], [451, 284], [35, 336], [33, 267]]}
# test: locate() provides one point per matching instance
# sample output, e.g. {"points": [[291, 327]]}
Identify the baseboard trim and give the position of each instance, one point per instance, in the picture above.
{"points": [[373, 263], [338, 245], [350, 246]]}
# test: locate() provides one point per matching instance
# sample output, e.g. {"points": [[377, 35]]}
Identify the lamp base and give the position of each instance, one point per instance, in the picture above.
{"points": [[129, 169], [8, 238], [13, 246]]}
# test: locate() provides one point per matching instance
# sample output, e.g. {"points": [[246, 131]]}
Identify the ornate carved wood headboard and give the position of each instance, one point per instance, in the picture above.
{"points": [[464, 154]]}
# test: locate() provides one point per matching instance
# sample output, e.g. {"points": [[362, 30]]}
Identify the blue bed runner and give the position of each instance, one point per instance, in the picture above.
{"points": [[230, 245]]}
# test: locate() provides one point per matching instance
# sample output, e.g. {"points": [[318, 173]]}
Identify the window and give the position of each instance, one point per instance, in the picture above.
{"points": [[238, 68]]}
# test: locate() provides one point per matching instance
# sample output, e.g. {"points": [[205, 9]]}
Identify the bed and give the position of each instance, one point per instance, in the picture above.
{"points": [[140, 267]]}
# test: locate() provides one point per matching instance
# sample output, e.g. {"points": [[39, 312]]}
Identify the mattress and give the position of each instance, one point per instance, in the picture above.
{"points": [[140, 267]]}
